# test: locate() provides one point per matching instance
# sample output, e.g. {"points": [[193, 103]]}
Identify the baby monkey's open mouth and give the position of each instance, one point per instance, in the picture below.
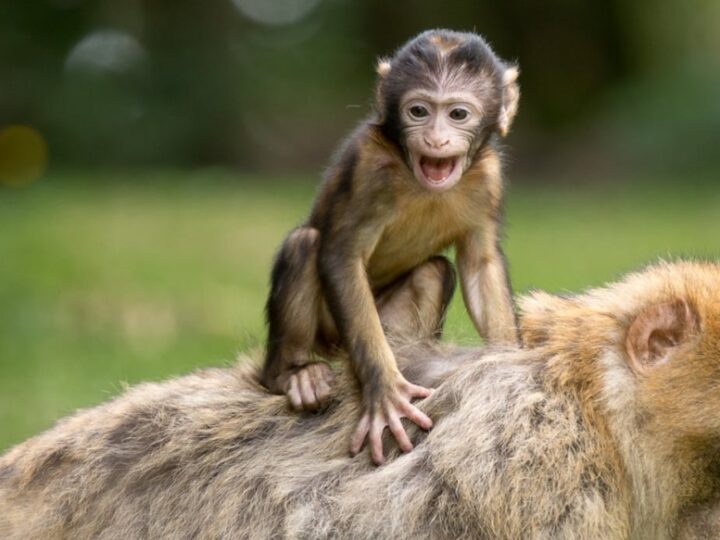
{"points": [[437, 173], [437, 169]]}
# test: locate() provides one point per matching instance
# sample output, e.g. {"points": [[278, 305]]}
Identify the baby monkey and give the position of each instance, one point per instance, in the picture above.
{"points": [[419, 175]]}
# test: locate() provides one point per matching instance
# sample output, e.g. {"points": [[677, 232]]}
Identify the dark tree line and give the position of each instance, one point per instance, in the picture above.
{"points": [[177, 83]]}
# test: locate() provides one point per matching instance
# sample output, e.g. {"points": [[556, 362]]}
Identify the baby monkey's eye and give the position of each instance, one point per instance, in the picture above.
{"points": [[458, 114], [418, 111]]}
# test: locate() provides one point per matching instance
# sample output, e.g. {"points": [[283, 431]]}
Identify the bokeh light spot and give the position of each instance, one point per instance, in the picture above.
{"points": [[275, 12], [23, 155], [105, 50]]}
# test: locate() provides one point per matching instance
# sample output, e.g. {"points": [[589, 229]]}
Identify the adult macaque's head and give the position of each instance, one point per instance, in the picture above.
{"points": [[657, 334]]}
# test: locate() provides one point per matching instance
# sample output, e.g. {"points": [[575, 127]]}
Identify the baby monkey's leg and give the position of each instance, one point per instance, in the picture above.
{"points": [[292, 312], [413, 309]]}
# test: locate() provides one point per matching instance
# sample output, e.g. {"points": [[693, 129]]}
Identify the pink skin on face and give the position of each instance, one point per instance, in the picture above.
{"points": [[439, 128], [437, 173]]}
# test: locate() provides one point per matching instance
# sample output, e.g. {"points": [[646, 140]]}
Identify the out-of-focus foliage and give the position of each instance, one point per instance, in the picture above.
{"points": [[272, 84], [150, 275]]}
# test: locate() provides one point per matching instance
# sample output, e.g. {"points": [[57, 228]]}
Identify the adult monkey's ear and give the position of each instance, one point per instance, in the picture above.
{"points": [[510, 98], [657, 332]]}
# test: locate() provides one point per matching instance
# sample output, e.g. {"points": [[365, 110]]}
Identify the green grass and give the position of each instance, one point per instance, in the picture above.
{"points": [[104, 282]]}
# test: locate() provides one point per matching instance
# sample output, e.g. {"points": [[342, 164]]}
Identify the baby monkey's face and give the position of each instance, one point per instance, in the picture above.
{"points": [[440, 98], [439, 129]]}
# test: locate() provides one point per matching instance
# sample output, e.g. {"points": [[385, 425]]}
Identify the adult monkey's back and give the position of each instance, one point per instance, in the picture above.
{"points": [[421, 174], [605, 427]]}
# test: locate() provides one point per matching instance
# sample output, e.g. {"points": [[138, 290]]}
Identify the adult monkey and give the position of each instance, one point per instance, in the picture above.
{"points": [[421, 174], [604, 426]]}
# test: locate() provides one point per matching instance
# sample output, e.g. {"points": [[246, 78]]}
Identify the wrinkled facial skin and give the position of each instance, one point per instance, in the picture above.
{"points": [[439, 128], [439, 99]]}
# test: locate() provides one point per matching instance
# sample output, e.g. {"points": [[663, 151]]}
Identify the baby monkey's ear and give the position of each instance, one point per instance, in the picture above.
{"points": [[383, 67], [657, 332], [510, 97]]}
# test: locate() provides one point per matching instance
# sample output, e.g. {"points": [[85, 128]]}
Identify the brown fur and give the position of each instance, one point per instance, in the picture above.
{"points": [[374, 225], [561, 440]]}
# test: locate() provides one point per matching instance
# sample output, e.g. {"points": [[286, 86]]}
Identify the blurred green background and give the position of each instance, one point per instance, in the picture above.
{"points": [[154, 153]]}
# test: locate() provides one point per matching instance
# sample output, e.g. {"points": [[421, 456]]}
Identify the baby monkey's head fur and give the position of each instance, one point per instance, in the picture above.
{"points": [[440, 98]]}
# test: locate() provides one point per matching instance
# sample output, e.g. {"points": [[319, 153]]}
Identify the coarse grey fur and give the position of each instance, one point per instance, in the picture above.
{"points": [[214, 455]]}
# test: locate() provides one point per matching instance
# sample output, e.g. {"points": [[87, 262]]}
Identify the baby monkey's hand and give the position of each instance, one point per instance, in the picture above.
{"points": [[385, 409]]}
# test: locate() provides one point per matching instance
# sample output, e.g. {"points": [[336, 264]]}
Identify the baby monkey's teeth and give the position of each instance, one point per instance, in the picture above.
{"points": [[437, 169]]}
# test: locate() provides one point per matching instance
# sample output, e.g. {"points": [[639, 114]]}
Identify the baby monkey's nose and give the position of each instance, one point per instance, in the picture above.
{"points": [[435, 142]]}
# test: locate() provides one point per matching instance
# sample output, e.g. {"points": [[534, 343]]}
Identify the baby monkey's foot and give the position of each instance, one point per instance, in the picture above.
{"points": [[308, 387], [386, 411]]}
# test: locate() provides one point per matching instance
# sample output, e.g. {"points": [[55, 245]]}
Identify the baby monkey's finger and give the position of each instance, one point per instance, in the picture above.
{"points": [[375, 440], [398, 432], [415, 415], [358, 436]]}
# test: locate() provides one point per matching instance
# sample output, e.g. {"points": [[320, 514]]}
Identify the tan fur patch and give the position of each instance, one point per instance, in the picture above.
{"points": [[444, 43]]}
